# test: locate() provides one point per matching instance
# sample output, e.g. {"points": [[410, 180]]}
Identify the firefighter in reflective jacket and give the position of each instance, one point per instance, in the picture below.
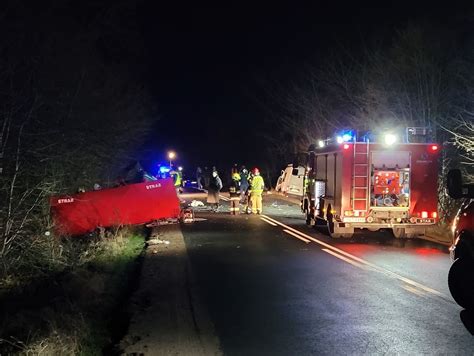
{"points": [[256, 190], [234, 191], [177, 179]]}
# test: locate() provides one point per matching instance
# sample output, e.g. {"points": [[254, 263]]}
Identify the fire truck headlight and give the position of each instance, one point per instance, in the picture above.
{"points": [[390, 139], [321, 143], [339, 139]]}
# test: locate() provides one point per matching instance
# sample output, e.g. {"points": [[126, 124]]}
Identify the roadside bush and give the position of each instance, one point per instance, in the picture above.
{"points": [[74, 306]]}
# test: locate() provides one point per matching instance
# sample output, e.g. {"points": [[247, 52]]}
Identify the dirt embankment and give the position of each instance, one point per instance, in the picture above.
{"points": [[168, 317]]}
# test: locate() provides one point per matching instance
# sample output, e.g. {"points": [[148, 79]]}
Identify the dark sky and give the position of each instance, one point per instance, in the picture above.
{"points": [[206, 64]]}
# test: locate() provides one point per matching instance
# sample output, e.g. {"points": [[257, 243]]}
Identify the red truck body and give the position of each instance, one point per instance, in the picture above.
{"points": [[371, 185], [131, 204]]}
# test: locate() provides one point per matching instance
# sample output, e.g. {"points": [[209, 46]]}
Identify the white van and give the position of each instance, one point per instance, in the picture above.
{"points": [[291, 181]]}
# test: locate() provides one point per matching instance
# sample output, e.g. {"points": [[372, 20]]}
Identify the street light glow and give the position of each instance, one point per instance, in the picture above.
{"points": [[171, 155]]}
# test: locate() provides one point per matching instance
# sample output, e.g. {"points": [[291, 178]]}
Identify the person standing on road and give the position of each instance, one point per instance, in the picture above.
{"points": [[244, 184], [256, 190], [199, 177], [207, 177], [234, 191], [177, 179], [215, 186]]}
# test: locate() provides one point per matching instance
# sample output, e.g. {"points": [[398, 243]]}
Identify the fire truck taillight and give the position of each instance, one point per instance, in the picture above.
{"points": [[424, 214], [434, 148], [434, 214], [346, 146]]}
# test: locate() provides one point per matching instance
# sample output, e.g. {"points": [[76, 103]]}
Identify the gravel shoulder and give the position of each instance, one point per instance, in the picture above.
{"points": [[168, 317]]}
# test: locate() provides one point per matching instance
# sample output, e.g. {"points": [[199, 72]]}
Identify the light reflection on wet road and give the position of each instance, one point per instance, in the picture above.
{"points": [[268, 292]]}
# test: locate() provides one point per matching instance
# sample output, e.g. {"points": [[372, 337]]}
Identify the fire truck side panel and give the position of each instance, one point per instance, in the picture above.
{"points": [[424, 181]]}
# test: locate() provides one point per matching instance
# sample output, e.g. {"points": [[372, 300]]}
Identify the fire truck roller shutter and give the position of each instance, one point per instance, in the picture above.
{"points": [[391, 178]]}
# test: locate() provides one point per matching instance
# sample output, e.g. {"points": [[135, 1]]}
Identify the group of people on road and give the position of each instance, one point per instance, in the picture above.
{"points": [[246, 188]]}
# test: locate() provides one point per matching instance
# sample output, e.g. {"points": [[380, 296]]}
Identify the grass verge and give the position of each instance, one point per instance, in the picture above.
{"points": [[80, 309]]}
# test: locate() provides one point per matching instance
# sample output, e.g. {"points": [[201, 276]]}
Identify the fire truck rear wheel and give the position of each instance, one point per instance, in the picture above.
{"points": [[399, 232], [461, 282], [330, 225]]}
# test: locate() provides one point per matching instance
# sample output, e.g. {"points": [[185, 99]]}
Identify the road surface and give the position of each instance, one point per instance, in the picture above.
{"points": [[270, 285], [274, 286]]}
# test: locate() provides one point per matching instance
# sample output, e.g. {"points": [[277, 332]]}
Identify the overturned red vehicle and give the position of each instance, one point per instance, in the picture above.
{"points": [[131, 204]]}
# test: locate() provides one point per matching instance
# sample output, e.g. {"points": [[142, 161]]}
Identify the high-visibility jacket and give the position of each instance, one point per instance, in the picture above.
{"points": [[236, 176], [177, 178], [257, 185]]}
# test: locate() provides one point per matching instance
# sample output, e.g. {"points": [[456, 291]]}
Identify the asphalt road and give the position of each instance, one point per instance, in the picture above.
{"points": [[272, 285]]}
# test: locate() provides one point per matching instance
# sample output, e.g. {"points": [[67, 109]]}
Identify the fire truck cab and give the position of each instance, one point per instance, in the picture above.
{"points": [[368, 183]]}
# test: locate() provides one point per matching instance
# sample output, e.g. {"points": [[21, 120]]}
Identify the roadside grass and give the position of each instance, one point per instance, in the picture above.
{"points": [[78, 308]]}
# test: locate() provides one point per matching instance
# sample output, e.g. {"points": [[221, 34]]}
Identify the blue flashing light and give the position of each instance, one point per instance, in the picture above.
{"points": [[346, 136], [164, 169]]}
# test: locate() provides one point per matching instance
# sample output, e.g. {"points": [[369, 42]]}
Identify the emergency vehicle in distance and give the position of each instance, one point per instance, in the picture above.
{"points": [[373, 182], [291, 181]]}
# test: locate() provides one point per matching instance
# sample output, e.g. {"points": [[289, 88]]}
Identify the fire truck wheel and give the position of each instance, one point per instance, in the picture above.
{"points": [[335, 235], [461, 282], [399, 232]]}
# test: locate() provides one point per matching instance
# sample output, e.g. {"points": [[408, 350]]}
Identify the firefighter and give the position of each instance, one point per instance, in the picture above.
{"points": [[177, 179], [244, 184], [256, 190], [234, 191]]}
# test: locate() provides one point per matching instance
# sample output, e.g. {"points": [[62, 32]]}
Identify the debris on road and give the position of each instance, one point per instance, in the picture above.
{"points": [[157, 242], [187, 215], [162, 222], [196, 203]]}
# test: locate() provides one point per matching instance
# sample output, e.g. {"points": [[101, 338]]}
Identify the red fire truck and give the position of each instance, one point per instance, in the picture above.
{"points": [[364, 184], [129, 204]]}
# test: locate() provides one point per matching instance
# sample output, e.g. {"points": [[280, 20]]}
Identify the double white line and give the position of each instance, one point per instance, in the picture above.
{"points": [[353, 260]]}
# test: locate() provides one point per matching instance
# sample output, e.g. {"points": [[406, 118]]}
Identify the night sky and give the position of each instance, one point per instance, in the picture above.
{"points": [[207, 65]]}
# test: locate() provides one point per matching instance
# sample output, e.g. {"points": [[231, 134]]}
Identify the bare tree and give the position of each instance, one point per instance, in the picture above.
{"points": [[69, 118]]}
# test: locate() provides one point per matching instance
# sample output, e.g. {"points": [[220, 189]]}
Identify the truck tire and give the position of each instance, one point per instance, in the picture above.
{"points": [[399, 232], [330, 224], [461, 282]]}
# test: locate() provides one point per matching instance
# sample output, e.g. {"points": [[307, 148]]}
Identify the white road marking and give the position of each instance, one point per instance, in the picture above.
{"points": [[367, 263], [348, 260], [223, 198], [295, 235], [268, 221]]}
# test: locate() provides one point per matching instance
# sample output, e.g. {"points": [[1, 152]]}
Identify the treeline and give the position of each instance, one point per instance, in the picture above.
{"points": [[422, 76], [73, 108]]}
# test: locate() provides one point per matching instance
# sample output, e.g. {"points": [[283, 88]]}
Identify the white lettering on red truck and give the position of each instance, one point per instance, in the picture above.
{"points": [[153, 186], [65, 200]]}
